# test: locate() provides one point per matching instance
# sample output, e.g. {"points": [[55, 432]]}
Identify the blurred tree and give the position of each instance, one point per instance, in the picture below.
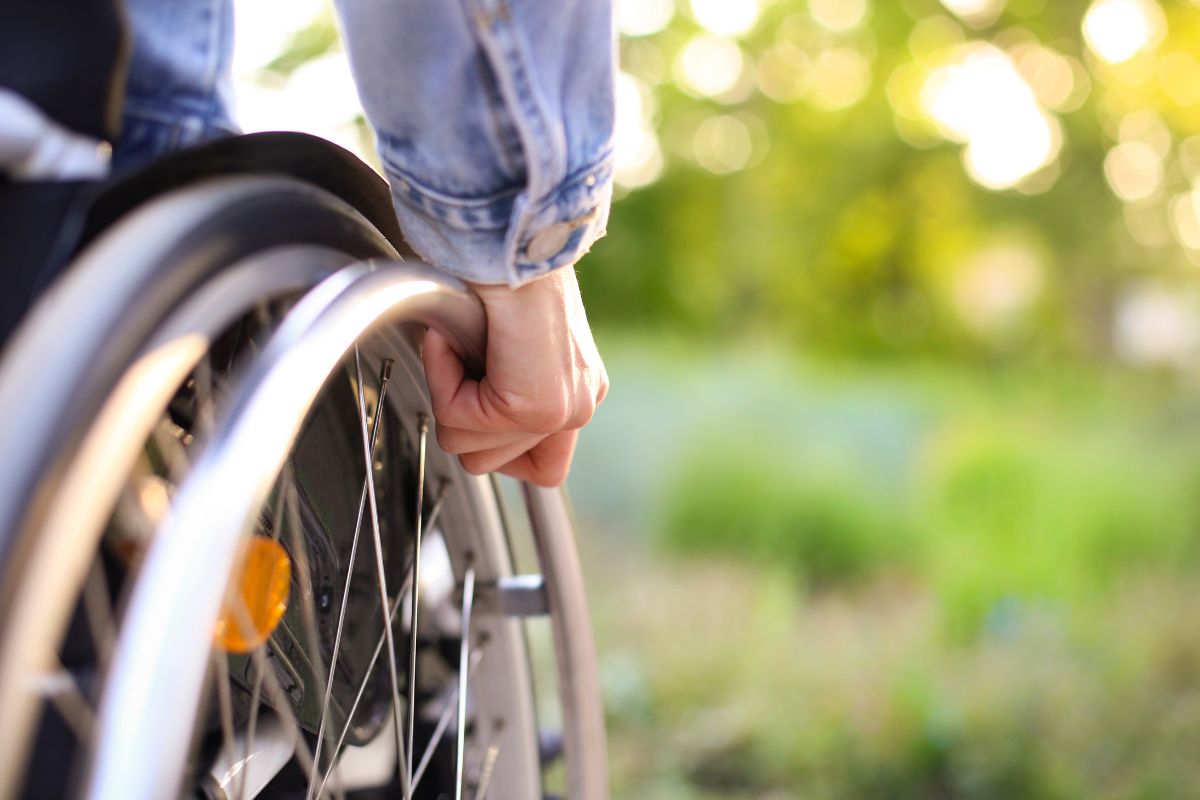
{"points": [[798, 169]]}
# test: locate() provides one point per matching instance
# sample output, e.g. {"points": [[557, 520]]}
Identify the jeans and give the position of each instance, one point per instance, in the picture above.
{"points": [[493, 118]]}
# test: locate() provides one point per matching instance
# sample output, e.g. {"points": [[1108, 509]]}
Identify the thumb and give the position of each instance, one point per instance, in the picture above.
{"points": [[444, 371]]}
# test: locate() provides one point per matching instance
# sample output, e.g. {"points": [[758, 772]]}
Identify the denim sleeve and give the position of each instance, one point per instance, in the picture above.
{"points": [[494, 122], [179, 91]]}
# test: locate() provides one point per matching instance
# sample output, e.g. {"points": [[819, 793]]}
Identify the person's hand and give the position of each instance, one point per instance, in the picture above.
{"points": [[543, 381]]}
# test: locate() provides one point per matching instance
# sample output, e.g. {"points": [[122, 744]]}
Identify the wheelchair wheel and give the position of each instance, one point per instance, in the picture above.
{"points": [[235, 563]]}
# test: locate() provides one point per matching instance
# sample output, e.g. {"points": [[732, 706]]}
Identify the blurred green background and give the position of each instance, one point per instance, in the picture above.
{"points": [[897, 491]]}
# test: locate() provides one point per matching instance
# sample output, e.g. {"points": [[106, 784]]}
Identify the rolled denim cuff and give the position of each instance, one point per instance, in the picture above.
{"points": [[503, 238]]}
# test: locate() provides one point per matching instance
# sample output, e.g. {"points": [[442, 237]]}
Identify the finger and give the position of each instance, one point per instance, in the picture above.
{"points": [[460, 440], [444, 371], [486, 461], [548, 463], [459, 401]]}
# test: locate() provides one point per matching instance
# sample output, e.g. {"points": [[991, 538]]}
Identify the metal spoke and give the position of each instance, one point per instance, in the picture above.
{"points": [[485, 774], [63, 692], [395, 607], [283, 704], [383, 592], [308, 611], [385, 374], [463, 669], [448, 712], [308, 614], [423, 427], [225, 702], [251, 725], [275, 692]]}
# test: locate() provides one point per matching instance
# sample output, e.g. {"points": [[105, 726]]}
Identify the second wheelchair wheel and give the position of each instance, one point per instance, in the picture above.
{"points": [[247, 570]]}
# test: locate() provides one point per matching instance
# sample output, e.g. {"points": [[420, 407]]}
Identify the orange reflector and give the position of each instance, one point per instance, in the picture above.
{"points": [[262, 579]]}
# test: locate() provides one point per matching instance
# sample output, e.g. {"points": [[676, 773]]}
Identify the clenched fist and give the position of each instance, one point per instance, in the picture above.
{"points": [[542, 382]]}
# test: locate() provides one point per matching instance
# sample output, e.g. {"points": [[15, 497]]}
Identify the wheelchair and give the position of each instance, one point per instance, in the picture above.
{"points": [[234, 562]]}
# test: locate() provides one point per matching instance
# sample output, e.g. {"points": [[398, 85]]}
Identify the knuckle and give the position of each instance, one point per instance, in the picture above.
{"points": [[581, 416], [538, 415]]}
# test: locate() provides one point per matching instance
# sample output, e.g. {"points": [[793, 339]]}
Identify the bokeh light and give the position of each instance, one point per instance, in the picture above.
{"points": [[784, 73], [264, 28], [1058, 81], [638, 155], [1185, 218], [726, 17], [840, 78], [975, 12], [980, 99], [997, 286], [838, 16], [643, 17], [1189, 158], [722, 144], [1179, 76], [1134, 171], [1157, 325], [1148, 127], [1117, 30], [931, 36], [708, 66]]}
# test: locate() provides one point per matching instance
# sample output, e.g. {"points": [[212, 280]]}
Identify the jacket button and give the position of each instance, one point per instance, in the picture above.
{"points": [[549, 242]]}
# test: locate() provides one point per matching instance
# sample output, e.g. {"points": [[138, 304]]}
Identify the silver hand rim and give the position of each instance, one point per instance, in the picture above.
{"points": [[273, 427], [140, 245]]}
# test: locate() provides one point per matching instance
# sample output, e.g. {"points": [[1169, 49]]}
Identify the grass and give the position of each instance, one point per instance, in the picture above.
{"points": [[723, 680], [906, 583]]}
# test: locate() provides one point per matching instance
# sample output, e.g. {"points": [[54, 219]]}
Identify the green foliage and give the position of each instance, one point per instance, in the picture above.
{"points": [[1007, 498], [850, 231], [825, 525], [313, 40], [850, 696]]}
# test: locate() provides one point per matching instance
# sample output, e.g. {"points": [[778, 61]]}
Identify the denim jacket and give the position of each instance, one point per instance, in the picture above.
{"points": [[493, 118]]}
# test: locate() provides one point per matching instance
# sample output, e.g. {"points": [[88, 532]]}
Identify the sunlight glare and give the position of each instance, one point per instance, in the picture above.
{"points": [[726, 17], [981, 100], [1117, 30], [638, 157], [643, 17], [264, 28]]}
